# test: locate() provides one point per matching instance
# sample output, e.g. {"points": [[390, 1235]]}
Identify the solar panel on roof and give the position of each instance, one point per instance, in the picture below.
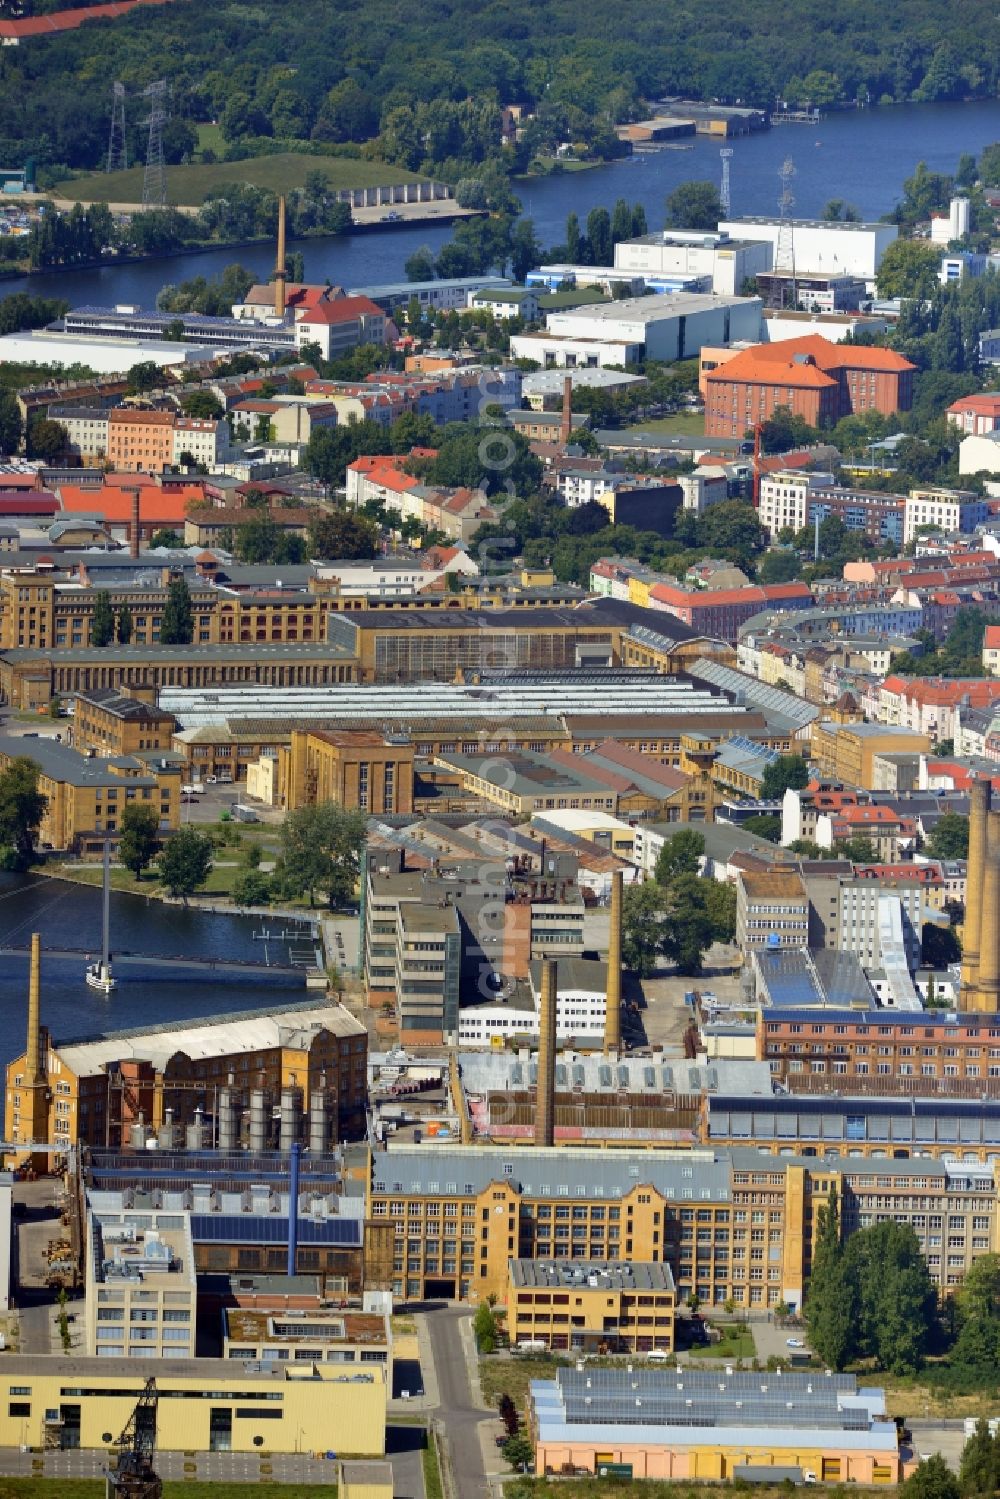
{"points": [[253, 1229]]}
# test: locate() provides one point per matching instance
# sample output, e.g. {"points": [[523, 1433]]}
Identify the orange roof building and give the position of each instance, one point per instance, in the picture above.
{"points": [[817, 380]]}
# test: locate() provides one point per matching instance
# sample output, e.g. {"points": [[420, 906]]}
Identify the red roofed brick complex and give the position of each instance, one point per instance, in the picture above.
{"points": [[815, 379], [719, 612], [978, 414]]}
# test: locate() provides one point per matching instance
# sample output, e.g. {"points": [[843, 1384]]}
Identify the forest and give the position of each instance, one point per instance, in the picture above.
{"points": [[420, 87]]}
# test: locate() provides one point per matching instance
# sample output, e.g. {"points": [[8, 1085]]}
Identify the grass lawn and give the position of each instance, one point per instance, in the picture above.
{"points": [[187, 186], [512, 1376], [431, 1463], [94, 1488], [681, 424], [210, 138], [736, 1342], [603, 1488], [914, 1398]]}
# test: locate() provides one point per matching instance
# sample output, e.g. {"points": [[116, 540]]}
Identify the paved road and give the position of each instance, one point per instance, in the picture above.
{"points": [[214, 1467], [460, 1412]]}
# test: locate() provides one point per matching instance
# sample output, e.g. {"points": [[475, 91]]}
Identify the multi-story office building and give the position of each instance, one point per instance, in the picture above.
{"points": [[113, 723], [601, 1307], [141, 1289], [772, 909], [354, 768]]}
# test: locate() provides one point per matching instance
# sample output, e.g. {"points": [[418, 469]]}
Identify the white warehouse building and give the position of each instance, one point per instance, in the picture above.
{"points": [[666, 327], [581, 1006], [725, 262], [831, 248]]}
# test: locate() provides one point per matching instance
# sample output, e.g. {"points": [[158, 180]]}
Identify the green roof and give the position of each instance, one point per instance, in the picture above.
{"points": [[582, 297]]}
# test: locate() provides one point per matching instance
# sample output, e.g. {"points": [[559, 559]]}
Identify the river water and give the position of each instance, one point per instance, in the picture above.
{"points": [[862, 156], [69, 916]]}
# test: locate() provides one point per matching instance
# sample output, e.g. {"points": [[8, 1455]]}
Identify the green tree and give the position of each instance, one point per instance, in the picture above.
{"points": [[343, 536], [979, 1471], [949, 837], [720, 903], [420, 265], [830, 1299], [139, 841], [690, 927], [144, 376], [933, 1479], [939, 945], [123, 625], [321, 850], [185, 862], [779, 567], [681, 854], [203, 404], [788, 772], [909, 268], [644, 926], [165, 538], [485, 1328], [694, 205], [897, 1303], [11, 425], [102, 627], [519, 1452], [251, 889], [732, 527], [22, 807], [177, 624], [47, 441], [764, 825], [859, 849]]}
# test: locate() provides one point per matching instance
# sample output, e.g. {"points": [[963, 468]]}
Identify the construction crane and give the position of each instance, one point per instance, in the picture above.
{"points": [[133, 1475]]}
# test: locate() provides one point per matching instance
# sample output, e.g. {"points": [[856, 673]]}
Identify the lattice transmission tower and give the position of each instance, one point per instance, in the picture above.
{"points": [[724, 195], [154, 181], [784, 252], [118, 142]]}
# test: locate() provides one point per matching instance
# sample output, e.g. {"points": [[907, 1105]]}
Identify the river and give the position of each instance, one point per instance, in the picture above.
{"points": [[69, 916], [862, 156]]}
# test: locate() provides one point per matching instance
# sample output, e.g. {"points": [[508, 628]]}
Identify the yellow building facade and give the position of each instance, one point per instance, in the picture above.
{"points": [[203, 1405]]}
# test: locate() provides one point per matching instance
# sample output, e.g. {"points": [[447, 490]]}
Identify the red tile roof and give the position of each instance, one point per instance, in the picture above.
{"points": [[342, 310], [805, 362]]}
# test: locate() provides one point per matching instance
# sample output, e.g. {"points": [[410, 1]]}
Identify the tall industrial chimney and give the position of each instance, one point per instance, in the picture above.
{"points": [[979, 808], [280, 276], [986, 991], [613, 1010], [34, 1062], [566, 425], [293, 1207], [133, 539], [545, 1091]]}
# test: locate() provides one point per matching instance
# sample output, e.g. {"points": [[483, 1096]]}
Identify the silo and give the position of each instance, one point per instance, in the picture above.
{"points": [[319, 1120], [259, 1108], [167, 1135], [228, 1119], [195, 1133], [291, 1117]]}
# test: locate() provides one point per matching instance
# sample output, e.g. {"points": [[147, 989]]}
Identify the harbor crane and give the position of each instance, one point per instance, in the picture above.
{"points": [[133, 1476]]}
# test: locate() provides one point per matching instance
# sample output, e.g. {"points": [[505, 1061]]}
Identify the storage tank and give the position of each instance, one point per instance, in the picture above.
{"points": [[138, 1134], [228, 1120], [291, 1116], [196, 1133], [259, 1108], [319, 1121], [168, 1132]]}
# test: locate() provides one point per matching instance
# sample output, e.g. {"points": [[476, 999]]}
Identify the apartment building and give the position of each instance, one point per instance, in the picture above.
{"points": [[796, 500], [719, 612], [141, 1288], [954, 511], [772, 909], [847, 912], [594, 1307], [86, 430]]}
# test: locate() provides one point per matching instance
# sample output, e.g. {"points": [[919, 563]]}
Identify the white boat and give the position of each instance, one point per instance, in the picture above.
{"points": [[98, 975]]}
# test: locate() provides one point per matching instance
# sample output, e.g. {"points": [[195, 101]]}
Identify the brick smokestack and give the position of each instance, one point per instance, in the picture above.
{"points": [[613, 1013], [279, 267], [986, 995], [979, 808], [34, 1066], [133, 540], [566, 425], [545, 1089]]}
